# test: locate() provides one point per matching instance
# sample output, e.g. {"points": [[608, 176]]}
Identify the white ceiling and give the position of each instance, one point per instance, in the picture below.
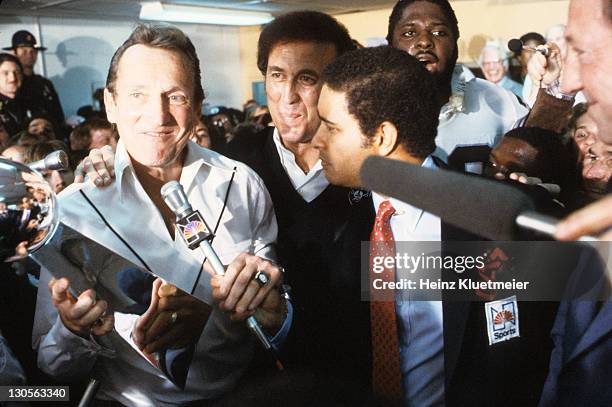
{"points": [[130, 8]]}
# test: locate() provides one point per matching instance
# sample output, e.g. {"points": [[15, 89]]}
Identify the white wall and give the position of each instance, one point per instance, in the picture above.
{"points": [[79, 53]]}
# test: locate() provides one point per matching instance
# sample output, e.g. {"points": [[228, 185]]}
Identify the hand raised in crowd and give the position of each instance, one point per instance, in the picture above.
{"points": [[82, 316], [543, 70], [241, 295], [98, 166], [594, 220], [174, 319]]}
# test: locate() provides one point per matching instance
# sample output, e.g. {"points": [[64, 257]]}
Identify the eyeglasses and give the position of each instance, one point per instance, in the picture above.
{"points": [[492, 63]]}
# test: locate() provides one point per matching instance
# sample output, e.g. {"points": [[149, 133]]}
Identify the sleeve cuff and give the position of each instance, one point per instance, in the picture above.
{"points": [[70, 340]]}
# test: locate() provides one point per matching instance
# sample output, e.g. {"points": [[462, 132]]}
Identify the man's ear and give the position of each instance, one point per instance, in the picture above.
{"points": [[386, 138], [110, 106]]}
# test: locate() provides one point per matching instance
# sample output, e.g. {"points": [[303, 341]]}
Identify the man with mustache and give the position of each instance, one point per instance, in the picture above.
{"points": [[473, 112]]}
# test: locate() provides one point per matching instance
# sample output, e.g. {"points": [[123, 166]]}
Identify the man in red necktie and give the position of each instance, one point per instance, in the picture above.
{"points": [[381, 102]]}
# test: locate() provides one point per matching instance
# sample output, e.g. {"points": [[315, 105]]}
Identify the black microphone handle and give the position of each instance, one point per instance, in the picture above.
{"points": [[481, 206], [90, 393], [174, 196], [515, 45]]}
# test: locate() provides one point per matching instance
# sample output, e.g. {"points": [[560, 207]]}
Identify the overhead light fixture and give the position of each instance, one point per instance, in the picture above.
{"points": [[158, 11]]}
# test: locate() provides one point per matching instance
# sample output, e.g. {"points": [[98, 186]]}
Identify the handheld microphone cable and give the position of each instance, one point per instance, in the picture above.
{"points": [[196, 233]]}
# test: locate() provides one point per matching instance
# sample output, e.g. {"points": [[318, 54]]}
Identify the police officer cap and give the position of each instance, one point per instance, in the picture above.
{"points": [[24, 38]]}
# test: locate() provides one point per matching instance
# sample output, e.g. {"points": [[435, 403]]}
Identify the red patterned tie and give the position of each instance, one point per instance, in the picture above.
{"points": [[386, 373]]}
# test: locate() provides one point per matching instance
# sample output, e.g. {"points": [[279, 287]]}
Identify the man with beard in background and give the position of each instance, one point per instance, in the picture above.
{"points": [[474, 113]]}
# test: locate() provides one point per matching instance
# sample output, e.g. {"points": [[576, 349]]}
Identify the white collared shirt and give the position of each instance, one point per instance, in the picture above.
{"points": [[310, 185], [489, 111], [225, 348], [408, 223], [420, 322]]}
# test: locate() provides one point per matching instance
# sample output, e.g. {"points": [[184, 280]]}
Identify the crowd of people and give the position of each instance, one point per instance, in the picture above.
{"points": [[282, 183]]}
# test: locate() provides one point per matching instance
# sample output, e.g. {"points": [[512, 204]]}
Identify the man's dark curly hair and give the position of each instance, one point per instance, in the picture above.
{"points": [[302, 26], [385, 84], [401, 5]]}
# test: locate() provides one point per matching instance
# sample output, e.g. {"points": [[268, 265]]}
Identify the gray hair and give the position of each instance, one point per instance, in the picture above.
{"points": [[493, 47], [164, 37]]}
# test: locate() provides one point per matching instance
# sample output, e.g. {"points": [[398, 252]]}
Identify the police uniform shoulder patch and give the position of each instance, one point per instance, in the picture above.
{"points": [[502, 320]]}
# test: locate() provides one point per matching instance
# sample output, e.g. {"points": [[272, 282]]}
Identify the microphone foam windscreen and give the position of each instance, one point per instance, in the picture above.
{"points": [[484, 207], [515, 45]]}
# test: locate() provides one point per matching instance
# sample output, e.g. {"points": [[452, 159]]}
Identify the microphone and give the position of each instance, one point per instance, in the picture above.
{"points": [[544, 224], [191, 224], [515, 45], [491, 209], [196, 233], [57, 160], [90, 392]]}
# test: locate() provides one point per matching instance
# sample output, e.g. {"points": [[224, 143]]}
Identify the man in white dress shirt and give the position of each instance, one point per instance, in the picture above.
{"points": [[154, 96], [314, 244]]}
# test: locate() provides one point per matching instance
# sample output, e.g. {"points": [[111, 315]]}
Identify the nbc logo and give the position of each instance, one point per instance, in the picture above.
{"points": [[502, 320], [504, 316]]}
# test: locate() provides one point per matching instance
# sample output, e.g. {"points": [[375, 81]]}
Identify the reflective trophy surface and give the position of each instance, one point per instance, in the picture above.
{"points": [[28, 210], [30, 226]]}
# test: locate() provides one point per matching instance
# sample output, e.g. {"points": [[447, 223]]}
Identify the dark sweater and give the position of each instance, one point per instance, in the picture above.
{"points": [[319, 246]]}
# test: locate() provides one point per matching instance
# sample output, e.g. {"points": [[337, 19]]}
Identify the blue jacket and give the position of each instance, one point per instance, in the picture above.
{"points": [[581, 363]]}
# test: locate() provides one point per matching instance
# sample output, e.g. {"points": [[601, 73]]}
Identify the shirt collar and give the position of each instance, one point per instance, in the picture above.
{"points": [[5, 99], [467, 73], [122, 164], [284, 153], [409, 214], [457, 100], [196, 158]]}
